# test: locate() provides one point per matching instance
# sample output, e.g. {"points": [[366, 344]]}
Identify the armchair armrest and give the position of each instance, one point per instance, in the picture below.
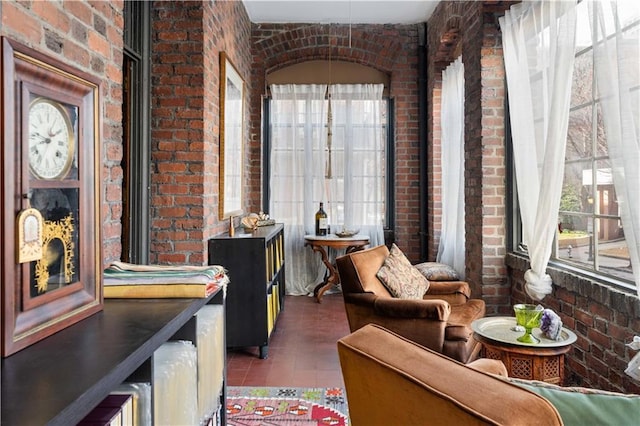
{"points": [[361, 299], [449, 287], [403, 308], [491, 366]]}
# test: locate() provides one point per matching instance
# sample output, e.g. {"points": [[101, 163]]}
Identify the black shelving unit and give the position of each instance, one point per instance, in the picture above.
{"points": [[255, 264], [60, 379]]}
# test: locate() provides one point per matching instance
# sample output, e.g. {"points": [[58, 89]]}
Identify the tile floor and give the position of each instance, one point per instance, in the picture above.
{"points": [[302, 349]]}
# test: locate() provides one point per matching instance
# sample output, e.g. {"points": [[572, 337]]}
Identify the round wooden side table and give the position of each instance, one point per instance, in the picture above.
{"points": [[543, 361], [318, 244]]}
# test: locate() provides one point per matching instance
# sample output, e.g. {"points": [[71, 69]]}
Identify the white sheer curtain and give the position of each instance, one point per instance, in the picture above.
{"points": [[451, 250], [539, 47], [298, 135], [617, 67], [347, 175], [356, 188]]}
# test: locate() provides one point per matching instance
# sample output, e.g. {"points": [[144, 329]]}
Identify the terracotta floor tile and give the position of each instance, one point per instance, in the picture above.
{"points": [[236, 376], [302, 348]]}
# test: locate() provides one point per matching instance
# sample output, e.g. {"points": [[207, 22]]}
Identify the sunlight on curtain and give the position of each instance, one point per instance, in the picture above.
{"points": [[355, 193], [539, 46], [298, 135], [352, 188], [451, 249], [617, 65]]}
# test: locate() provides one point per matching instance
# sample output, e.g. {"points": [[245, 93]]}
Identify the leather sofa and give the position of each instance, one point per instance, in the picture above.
{"points": [[440, 321], [390, 380]]}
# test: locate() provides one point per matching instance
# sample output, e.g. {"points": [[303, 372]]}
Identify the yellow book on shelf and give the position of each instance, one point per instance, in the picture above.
{"points": [[266, 264], [276, 300], [281, 246], [273, 260], [270, 316], [270, 261]]}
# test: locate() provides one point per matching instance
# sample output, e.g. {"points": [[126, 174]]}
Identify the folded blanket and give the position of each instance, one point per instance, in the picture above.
{"points": [[127, 280]]}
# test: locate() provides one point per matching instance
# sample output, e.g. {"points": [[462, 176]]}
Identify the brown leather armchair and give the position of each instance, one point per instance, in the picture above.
{"points": [[440, 321]]}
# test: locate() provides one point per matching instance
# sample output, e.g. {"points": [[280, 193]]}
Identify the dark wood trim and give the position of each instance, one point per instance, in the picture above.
{"points": [[27, 73]]}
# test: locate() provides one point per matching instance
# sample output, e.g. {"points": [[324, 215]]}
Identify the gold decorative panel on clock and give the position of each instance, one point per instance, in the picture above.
{"points": [[52, 274]]}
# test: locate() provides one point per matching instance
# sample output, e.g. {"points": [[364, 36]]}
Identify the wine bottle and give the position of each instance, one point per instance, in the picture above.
{"points": [[322, 221]]}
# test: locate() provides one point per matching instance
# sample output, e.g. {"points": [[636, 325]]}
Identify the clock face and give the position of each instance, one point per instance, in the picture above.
{"points": [[50, 139]]}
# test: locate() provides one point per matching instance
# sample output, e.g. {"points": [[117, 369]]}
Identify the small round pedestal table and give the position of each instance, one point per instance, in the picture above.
{"points": [[543, 361], [318, 243]]}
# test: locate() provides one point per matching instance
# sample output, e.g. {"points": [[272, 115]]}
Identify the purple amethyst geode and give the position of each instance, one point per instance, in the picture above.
{"points": [[551, 324]]}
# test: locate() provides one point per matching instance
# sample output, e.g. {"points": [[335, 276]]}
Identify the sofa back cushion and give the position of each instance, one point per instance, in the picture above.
{"points": [[585, 406]]}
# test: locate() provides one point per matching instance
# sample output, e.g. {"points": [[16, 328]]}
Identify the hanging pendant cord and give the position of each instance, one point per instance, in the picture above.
{"points": [[329, 116]]}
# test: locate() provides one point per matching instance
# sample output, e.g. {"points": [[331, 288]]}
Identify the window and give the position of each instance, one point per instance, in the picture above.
{"points": [[351, 124], [135, 126], [347, 168], [591, 236], [353, 116]]}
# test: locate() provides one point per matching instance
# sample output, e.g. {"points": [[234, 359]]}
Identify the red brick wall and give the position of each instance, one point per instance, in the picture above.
{"points": [[496, 288], [187, 38], [87, 36], [434, 156], [462, 28], [603, 318], [388, 48]]}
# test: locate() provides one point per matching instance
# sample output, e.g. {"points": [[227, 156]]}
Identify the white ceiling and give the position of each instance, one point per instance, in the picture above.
{"points": [[340, 11]]}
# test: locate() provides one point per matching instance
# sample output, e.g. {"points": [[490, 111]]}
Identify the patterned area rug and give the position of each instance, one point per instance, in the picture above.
{"points": [[273, 406]]}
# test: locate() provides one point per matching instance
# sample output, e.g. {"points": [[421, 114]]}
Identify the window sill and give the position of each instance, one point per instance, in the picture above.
{"points": [[611, 292]]}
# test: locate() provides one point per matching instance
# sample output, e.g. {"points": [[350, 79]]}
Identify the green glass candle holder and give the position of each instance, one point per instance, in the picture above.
{"points": [[528, 316]]}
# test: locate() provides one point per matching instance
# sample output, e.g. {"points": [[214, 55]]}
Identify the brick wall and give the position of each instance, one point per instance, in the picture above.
{"points": [[461, 28], [434, 156], [496, 288], [87, 36], [604, 319], [388, 48], [187, 38]]}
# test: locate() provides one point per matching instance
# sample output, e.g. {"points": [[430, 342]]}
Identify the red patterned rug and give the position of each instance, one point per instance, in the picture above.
{"points": [[273, 406]]}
